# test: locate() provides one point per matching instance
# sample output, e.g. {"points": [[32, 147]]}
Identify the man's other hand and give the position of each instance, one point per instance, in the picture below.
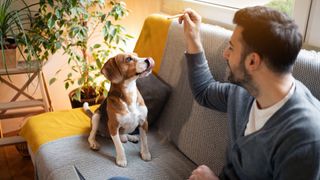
{"points": [[203, 172]]}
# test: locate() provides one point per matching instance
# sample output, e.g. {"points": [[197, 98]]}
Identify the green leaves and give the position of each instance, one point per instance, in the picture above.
{"points": [[103, 17], [79, 32], [50, 2], [58, 13], [118, 10], [52, 80], [285, 6], [14, 24], [70, 25], [77, 94], [97, 46]]}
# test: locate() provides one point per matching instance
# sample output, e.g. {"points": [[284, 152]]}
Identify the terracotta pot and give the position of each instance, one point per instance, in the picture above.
{"points": [[10, 59], [77, 104]]}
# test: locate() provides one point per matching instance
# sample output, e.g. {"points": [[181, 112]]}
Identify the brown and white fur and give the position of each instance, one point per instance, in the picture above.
{"points": [[125, 108]]}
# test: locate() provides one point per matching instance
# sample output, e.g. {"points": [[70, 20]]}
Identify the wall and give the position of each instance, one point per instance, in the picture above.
{"points": [[139, 10]]}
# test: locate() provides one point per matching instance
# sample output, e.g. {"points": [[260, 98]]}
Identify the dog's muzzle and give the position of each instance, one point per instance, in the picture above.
{"points": [[150, 64]]}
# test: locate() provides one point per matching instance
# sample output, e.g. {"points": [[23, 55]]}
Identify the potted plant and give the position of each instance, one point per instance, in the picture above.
{"points": [[70, 25], [14, 25]]}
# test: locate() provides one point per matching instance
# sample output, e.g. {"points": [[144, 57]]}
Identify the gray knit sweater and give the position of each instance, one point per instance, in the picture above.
{"points": [[287, 147]]}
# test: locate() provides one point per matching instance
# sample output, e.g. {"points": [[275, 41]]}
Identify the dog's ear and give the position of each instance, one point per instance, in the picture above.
{"points": [[112, 71]]}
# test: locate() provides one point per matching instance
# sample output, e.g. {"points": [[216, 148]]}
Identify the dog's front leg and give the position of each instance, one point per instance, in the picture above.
{"points": [[145, 154], [94, 128], [120, 154]]}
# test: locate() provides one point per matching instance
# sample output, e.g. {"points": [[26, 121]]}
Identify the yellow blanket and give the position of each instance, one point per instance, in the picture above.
{"points": [[50, 126], [153, 38]]}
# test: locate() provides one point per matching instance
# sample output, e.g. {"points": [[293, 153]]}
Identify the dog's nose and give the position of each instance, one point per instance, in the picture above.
{"points": [[147, 61]]}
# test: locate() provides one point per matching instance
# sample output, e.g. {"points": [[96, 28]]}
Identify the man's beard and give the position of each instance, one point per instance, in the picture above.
{"points": [[245, 82], [230, 76]]}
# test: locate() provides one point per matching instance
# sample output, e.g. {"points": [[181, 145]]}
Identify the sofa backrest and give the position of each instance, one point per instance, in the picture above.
{"points": [[307, 70], [201, 133], [198, 132]]}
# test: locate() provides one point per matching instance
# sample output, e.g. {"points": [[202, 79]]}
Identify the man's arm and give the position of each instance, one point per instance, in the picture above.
{"points": [[205, 89], [300, 163], [200, 78]]}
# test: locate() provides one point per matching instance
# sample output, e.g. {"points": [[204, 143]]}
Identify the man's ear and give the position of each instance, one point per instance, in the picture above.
{"points": [[253, 61], [112, 71]]}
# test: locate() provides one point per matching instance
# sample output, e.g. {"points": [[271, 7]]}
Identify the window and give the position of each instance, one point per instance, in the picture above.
{"points": [[237, 4], [221, 12]]}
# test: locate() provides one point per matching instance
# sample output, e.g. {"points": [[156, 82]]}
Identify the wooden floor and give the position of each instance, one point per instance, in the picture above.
{"points": [[14, 166]]}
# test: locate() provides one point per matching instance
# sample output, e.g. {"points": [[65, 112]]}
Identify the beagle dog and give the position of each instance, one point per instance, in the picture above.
{"points": [[124, 108]]}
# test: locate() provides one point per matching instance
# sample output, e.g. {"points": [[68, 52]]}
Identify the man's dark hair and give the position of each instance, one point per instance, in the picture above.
{"points": [[271, 34]]}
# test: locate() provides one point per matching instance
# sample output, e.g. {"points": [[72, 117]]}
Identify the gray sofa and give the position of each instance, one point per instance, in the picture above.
{"points": [[184, 136]]}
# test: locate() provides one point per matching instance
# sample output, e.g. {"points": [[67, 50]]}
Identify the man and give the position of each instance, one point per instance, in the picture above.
{"points": [[273, 118]]}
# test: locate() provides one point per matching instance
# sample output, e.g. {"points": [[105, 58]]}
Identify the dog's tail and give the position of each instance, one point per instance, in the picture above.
{"points": [[87, 109]]}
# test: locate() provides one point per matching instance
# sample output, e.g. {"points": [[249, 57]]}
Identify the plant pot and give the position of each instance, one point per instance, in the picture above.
{"points": [[10, 59], [78, 104]]}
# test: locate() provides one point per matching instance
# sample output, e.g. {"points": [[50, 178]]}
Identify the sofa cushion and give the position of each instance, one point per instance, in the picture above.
{"points": [[167, 162], [155, 93]]}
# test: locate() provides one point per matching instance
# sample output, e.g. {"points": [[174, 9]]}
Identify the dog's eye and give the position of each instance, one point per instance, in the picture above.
{"points": [[128, 59]]}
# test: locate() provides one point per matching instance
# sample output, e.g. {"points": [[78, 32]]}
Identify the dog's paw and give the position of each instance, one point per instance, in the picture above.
{"points": [[122, 162], [124, 138], [133, 138], [94, 144], [146, 156]]}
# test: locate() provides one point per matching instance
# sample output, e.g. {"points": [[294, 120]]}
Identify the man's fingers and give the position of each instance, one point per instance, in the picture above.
{"points": [[190, 16], [189, 11], [181, 18], [193, 15], [187, 18]]}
